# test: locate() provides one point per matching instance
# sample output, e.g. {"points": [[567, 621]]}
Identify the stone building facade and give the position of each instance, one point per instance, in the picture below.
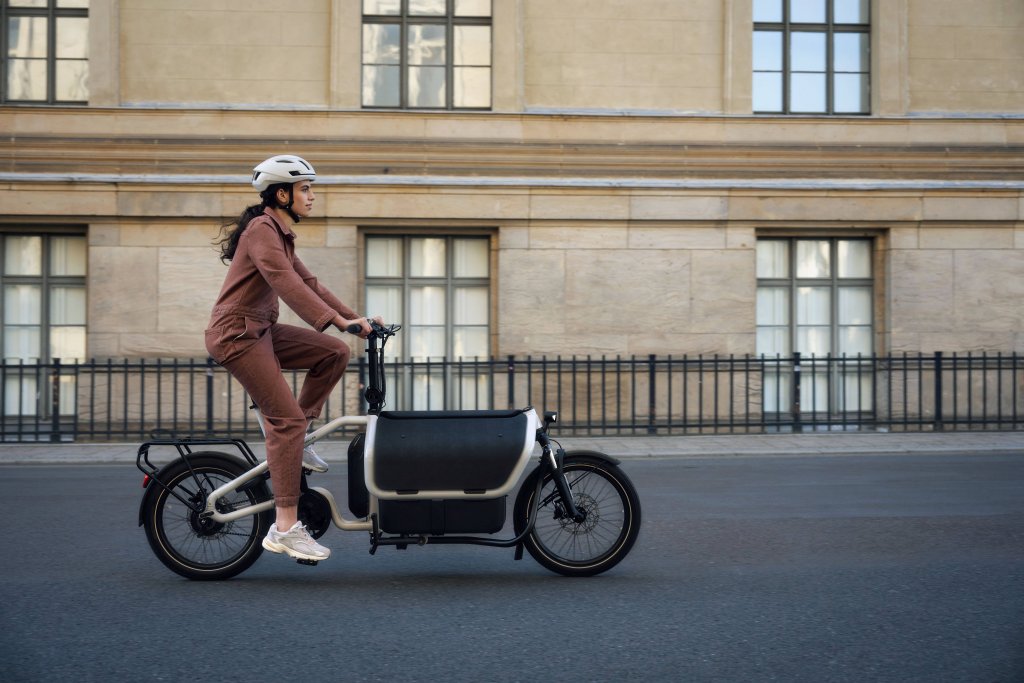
{"points": [[618, 177]]}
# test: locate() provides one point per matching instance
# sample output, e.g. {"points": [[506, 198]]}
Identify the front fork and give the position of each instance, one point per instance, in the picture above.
{"points": [[552, 458]]}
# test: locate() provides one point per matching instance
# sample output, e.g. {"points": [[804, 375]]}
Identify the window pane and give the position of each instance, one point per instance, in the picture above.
{"points": [[427, 258], [382, 6], [470, 342], [772, 258], [426, 306], [27, 3], [26, 79], [383, 257], [67, 305], [385, 302], [472, 45], [67, 256], [427, 391], [472, 87], [807, 11], [22, 305], [426, 44], [772, 341], [20, 395], [72, 37], [21, 342], [772, 306], [807, 51], [854, 340], [850, 52], [26, 37], [23, 255], [854, 258], [380, 86], [426, 342], [72, 83], [767, 92], [768, 10], [852, 94], [813, 306], [857, 392], [854, 306], [767, 51], [471, 258], [850, 11], [471, 306], [67, 343], [472, 8], [427, 7], [381, 43], [807, 93], [81, 4], [426, 86], [814, 341], [812, 258]]}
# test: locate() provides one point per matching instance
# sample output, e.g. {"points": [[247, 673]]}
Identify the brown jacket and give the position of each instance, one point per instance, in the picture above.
{"points": [[264, 268]]}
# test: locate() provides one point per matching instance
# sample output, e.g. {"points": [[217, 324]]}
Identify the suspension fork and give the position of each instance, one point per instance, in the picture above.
{"points": [[552, 460]]}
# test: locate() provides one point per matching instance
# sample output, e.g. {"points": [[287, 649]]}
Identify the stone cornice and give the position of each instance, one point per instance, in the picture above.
{"points": [[133, 142]]}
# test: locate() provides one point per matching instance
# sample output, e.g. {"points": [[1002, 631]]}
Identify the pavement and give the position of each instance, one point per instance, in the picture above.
{"points": [[724, 445]]}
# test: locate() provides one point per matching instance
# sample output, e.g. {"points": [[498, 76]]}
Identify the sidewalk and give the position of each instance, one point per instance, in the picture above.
{"points": [[823, 444]]}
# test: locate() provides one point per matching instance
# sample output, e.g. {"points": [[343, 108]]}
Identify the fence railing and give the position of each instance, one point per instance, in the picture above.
{"points": [[129, 400]]}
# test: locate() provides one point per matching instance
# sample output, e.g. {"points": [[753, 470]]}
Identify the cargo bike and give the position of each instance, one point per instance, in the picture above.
{"points": [[414, 478]]}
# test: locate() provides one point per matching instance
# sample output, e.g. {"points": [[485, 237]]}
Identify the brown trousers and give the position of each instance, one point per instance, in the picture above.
{"points": [[255, 353]]}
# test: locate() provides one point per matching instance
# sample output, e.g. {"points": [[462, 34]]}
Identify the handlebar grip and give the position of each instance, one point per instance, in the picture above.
{"points": [[354, 328]]}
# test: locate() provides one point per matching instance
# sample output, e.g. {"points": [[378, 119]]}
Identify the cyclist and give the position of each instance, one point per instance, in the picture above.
{"points": [[244, 336]]}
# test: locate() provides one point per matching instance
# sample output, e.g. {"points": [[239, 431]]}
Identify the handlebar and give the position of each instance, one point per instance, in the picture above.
{"points": [[376, 329]]}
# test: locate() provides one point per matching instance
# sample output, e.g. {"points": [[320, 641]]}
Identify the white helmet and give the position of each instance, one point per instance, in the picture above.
{"points": [[284, 168]]}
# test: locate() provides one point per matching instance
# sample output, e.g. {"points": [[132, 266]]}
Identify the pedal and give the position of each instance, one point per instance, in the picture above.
{"points": [[311, 563]]}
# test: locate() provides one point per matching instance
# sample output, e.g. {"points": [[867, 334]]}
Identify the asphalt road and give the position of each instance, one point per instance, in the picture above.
{"points": [[819, 568]]}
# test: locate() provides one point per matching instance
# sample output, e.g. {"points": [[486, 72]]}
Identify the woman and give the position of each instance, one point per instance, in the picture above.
{"points": [[245, 337]]}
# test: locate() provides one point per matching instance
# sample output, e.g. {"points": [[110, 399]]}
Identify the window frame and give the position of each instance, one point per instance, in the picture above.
{"points": [[51, 13], [403, 19], [839, 376], [46, 281], [829, 28]]}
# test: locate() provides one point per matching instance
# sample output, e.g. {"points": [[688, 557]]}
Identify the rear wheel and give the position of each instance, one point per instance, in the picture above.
{"points": [[198, 547], [611, 511]]}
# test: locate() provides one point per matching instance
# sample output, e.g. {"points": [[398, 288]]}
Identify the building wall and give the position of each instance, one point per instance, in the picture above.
{"points": [[621, 176]]}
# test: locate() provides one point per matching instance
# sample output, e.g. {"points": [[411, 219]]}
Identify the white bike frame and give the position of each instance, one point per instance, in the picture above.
{"points": [[311, 438]]}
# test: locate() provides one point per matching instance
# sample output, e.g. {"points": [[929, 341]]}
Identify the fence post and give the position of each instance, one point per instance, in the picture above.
{"points": [[652, 394], [55, 401], [209, 395], [797, 426], [511, 382], [938, 391]]}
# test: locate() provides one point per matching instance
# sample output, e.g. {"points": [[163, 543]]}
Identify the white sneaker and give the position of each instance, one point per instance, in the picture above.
{"points": [[312, 461], [296, 542]]}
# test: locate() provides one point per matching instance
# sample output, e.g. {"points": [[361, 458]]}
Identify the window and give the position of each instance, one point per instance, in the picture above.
{"points": [[44, 305], [427, 54], [438, 288], [45, 47], [815, 297], [811, 57]]}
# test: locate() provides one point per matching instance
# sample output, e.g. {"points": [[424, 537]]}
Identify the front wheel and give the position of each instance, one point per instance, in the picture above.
{"points": [[197, 547], [611, 509]]}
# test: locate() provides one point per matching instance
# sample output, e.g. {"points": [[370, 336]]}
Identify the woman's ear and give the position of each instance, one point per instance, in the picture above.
{"points": [[282, 196]]}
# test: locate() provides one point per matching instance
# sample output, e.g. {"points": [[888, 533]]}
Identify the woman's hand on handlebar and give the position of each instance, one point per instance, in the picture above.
{"points": [[358, 326]]}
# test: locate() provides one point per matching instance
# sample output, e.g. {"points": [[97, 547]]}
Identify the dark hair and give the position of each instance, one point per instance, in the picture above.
{"points": [[232, 232]]}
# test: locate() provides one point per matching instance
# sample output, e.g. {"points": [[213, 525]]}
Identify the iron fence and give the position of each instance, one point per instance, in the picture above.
{"points": [[130, 400]]}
